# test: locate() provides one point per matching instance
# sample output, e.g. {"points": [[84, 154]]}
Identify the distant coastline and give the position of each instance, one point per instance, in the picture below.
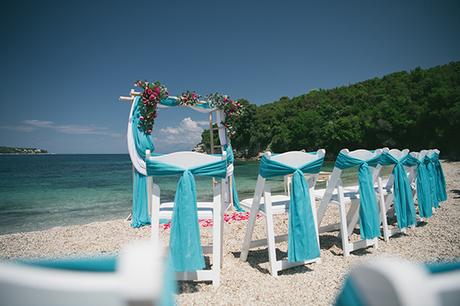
{"points": [[22, 151]]}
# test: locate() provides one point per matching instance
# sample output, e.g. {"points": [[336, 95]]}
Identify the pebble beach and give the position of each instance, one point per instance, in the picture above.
{"points": [[250, 283]]}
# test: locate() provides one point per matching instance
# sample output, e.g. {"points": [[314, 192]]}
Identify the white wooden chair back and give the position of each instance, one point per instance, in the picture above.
{"points": [[348, 220], [138, 279], [386, 200], [293, 159], [335, 180], [188, 160]]}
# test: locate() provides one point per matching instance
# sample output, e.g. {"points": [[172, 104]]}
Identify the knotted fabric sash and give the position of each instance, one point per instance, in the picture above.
{"points": [[423, 185], [140, 214], [403, 201], [369, 222], [302, 232], [230, 160], [185, 247], [440, 180]]}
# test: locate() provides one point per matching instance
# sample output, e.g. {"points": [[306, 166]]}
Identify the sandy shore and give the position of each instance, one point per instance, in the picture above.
{"points": [[250, 282]]}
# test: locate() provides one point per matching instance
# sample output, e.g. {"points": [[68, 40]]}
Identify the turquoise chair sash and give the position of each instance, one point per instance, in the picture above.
{"points": [[185, 247], [403, 201], [140, 215], [302, 232], [350, 295], [230, 160], [441, 194], [369, 222], [423, 186], [432, 179]]}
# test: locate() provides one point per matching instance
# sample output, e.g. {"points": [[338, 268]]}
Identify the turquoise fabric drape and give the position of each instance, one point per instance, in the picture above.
{"points": [[302, 233], [432, 179], [369, 221], [230, 160], [91, 264], [140, 214], [174, 102], [423, 185], [185, 247], [349, 295], [440, 180], [403, 201]]}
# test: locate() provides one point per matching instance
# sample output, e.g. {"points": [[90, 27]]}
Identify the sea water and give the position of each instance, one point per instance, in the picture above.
{"points": [[43, 191]]}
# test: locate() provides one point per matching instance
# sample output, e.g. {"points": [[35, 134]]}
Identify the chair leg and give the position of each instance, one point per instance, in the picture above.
{"points": [[252, 219], [383, 211], [217, 238], [343, 223], [270, 233]]}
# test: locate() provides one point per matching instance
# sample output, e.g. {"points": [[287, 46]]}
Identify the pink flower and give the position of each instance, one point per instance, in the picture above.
{"points": [[157, 89], [141, 118], [149, 91], [152, 97]]}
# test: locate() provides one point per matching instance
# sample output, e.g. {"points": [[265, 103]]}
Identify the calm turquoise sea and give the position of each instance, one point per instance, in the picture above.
{"points": [[42, 191]]}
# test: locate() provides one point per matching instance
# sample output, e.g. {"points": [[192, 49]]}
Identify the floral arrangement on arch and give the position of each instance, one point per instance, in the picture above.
{"points": [[151, 96], [154, 92]]}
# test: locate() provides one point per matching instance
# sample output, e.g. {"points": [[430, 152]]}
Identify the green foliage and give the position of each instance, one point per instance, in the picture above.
{"points": [[416, 110]]}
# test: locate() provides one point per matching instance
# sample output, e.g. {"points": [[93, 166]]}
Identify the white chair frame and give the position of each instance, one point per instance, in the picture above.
{"points": [[386, 195], [206, 210], [277, 204], [412, 172], [337, 194]]}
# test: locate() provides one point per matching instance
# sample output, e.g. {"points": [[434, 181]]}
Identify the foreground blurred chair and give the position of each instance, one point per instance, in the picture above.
{"points": [[399, 283], [303, 241], [137, 277], [397, 193], [185, 246], [362, 199]]}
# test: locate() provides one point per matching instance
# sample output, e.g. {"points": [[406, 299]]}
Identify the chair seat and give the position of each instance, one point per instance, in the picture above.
{"points": [[280, 204], [350, 193], [205, 210]]}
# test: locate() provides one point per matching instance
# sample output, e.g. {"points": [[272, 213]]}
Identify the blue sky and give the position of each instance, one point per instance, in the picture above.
{"points": [[64, 63]]}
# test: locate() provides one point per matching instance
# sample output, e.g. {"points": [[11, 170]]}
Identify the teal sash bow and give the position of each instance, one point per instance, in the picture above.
{"points": [[403, 201], [302, 232], [369, 222], [432, 179], [230, 160], [440, 180], [423, 186], [185, 246], [140, 214]]}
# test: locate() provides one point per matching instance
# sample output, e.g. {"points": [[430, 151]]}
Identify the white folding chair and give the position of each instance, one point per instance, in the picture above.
{"points": [[393, 281], [206, 210], [272, 205], [412, 172], [139, 279], [337, 194], [386, 194]]}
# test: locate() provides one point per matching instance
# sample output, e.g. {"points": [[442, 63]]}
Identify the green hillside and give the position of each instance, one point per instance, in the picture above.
{"points": [[417, 110]]}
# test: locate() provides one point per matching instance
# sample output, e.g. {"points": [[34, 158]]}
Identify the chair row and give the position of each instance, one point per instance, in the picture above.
{"points": [[415, 175], [370, 203]]}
